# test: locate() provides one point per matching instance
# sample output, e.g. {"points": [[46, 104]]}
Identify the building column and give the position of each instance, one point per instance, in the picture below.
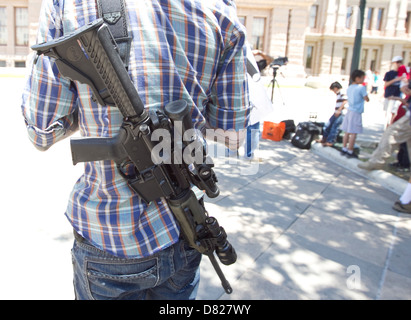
{"points": [[34, 9], [10, 30], [296, 41], [279, 22], [325, 52], [341, 16], [402, 16], [337, 57], [391, 24]]}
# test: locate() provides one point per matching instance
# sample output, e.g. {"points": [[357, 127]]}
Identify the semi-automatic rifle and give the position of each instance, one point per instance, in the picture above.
{"points": [[89, 55]]}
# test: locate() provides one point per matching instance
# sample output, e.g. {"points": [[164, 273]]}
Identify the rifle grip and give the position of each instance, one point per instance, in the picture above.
{"points": [[98, 149]]}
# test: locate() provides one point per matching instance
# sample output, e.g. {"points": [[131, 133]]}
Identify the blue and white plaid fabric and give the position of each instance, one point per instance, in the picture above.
{"points": [[182, 49]]}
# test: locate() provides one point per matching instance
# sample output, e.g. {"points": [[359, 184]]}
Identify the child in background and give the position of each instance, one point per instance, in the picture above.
{"points": [[352, 124], [376, 83], [331, 129]]}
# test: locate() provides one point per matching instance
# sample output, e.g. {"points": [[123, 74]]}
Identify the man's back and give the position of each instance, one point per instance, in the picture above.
{"points": [[191, 50], [392, 90]]}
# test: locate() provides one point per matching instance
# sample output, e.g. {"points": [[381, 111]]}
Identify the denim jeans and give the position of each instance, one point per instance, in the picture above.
{"points": [[331, 129], [171, 274]]}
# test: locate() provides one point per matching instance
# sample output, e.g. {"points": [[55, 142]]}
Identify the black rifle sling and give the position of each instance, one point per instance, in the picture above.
{"points": [[114, 13]]}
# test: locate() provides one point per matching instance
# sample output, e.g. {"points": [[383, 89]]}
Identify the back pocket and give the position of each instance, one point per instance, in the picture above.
{"points": [[113, 279]]}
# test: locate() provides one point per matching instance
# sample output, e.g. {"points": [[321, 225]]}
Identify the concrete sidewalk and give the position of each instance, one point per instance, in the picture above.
{"points": [[305, 224], [308, 227]]}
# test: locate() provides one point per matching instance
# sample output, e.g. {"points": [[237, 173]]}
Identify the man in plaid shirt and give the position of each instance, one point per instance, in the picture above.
{"points": [[181, 49]]}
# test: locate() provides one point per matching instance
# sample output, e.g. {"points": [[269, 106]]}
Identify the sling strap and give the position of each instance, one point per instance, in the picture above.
{"points": [[251, 70], [114, 14]]}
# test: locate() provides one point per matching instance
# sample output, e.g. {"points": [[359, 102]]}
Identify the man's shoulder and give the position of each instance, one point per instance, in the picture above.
{"points": [[390, 74], [351, 87]]}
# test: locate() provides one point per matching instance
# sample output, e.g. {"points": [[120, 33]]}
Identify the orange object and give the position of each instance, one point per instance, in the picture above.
{"points": [[273, 131]]}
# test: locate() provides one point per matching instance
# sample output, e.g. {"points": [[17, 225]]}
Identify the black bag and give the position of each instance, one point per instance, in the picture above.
{"points": [[289, 129], [320, 125], [305, 134]]}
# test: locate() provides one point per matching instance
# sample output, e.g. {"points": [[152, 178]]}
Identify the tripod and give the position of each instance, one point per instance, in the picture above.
{"points": [[273, 83]]}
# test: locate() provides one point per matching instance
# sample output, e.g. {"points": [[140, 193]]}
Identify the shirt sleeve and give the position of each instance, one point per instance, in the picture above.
{"points": [[229, 107], [49, 102]]}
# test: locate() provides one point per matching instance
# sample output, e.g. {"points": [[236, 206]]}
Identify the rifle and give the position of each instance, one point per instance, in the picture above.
{"points": [[89, 55]]}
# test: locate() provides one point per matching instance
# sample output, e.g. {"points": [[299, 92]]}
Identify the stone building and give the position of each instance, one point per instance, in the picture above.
{"points": [[18, 28], [317, 36]]}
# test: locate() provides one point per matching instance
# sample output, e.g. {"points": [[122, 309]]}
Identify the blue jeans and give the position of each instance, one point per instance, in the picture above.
{"points": [[171, 274], [253, 138], [331, 129]]}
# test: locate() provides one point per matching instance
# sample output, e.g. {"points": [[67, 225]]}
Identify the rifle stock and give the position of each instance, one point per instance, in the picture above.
{"points": [[89, 55]]}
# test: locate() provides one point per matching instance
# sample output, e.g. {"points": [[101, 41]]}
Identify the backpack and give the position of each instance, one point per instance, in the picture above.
{"points": [[305, 134], [289, 129]]}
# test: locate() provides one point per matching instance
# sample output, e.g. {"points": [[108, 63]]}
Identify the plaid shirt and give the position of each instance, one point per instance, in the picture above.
{"points": [[182, 49]]}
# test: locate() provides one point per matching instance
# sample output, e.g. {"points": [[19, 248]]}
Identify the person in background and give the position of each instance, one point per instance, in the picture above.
{"points": [[376, 82], [263, 59], [403, 71], [331, 129], [369, 79], [403, 162], [261, 107], [392, 92], [403, 204], [352, 124], [397, 133]]}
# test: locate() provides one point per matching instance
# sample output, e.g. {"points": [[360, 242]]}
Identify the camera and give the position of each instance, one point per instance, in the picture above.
{"points": [[280, 61]]}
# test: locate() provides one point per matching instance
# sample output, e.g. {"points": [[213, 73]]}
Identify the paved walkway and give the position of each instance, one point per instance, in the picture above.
{"points": [[305, 225]]}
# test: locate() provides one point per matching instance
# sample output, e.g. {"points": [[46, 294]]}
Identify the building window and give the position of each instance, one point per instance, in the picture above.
{"points": [[22, 27], [19, 64], [3, 26], [380, 15], [348, 19], [368, 22], [309, 57], [344, 59], [2, 63], [242, 20], [373, 63], [312, 23], [258, 34]]}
